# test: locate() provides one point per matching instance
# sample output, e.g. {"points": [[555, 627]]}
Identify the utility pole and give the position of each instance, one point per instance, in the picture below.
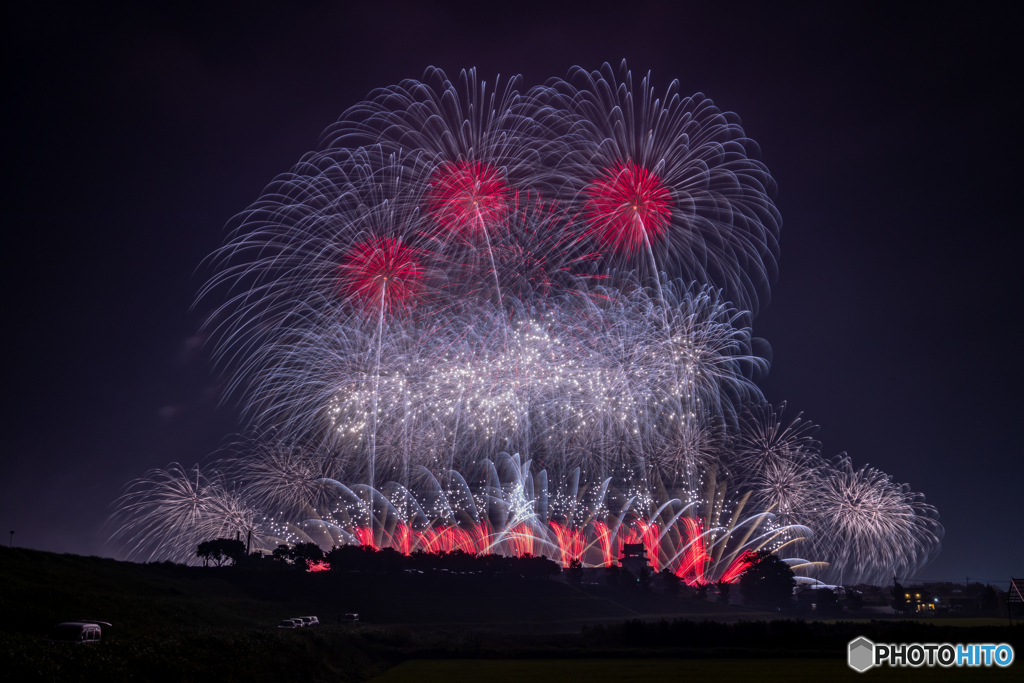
{"points": [[11, 544]]}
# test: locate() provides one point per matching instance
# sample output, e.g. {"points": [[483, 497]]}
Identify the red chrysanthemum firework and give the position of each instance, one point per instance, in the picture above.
{"points": [[381, 271], [624, 203], [466, 198]]}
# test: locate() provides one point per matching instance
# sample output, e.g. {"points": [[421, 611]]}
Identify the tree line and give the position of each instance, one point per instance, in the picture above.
{"points": [[768, 582]]}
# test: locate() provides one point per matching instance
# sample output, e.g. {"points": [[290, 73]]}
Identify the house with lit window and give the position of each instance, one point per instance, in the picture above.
{"points": [[918, 599]]}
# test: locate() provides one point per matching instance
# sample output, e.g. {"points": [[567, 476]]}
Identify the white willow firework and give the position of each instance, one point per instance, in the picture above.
{"points": [[780, 463], [870, 528], [168, 512]]}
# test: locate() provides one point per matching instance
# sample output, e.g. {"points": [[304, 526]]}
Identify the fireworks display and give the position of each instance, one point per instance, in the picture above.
{"points": [[520, 323]]}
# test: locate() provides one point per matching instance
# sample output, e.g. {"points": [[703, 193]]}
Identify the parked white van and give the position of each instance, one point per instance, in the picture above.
{"points": [[76, 633]]}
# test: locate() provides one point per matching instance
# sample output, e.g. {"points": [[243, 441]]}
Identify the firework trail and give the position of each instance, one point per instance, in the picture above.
{"points": [[308, 243], [566, 386], [486, 320]]}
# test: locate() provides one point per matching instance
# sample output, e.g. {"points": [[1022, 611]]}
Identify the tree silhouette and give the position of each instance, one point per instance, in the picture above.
{"points": [[574, 572], [671, 581], [767, 582], [302, 554], [827, 602], [220, 550], [724, 589]]}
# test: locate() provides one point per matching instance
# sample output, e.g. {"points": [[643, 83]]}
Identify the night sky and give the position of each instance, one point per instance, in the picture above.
{"points": [[132, 136]]}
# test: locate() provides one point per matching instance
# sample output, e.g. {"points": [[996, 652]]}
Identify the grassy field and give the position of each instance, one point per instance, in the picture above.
{"points": [[956, 622], [653, 669], [176, 623], [42, 589]]}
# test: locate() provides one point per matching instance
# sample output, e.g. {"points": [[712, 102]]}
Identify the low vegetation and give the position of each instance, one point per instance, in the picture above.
{"points": [[177, 623]]}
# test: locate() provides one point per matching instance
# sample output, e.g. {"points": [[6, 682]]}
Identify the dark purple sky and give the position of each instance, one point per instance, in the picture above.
{"points": [[132, 136]]}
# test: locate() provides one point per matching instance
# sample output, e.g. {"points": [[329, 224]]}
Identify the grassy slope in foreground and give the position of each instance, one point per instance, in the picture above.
{"points": [[178, 623], [656, 669], [41, 589], [174, 623]]}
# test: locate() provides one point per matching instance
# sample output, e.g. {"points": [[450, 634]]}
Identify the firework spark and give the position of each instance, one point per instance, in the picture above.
{"points": [[628, 208], [689, 165], [168, 512], [870, 528], [381, 273], [568, 276], [467, 198]]}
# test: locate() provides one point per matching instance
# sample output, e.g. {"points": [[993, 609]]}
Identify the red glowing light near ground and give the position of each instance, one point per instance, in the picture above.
{"points": [[450, 539], [650, 534], [521, 539], [381, 273], [627, 206], [402, 539], [573, 543], [695, 557], [318, 566], [405, 540], [365, 536], [604, 536], [739, 565], [467, 198]]}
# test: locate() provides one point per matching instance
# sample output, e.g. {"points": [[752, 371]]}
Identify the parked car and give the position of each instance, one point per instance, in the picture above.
{"points": [[309, 621], [76, 633], [351, 616], [291, 623]]}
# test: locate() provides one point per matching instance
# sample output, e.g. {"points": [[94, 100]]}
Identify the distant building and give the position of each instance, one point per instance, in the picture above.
{"points": [[633, 558], [918, 599]]}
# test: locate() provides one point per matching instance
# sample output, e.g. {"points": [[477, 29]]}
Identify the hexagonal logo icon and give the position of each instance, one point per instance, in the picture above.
{"points": [[861, 654]]}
